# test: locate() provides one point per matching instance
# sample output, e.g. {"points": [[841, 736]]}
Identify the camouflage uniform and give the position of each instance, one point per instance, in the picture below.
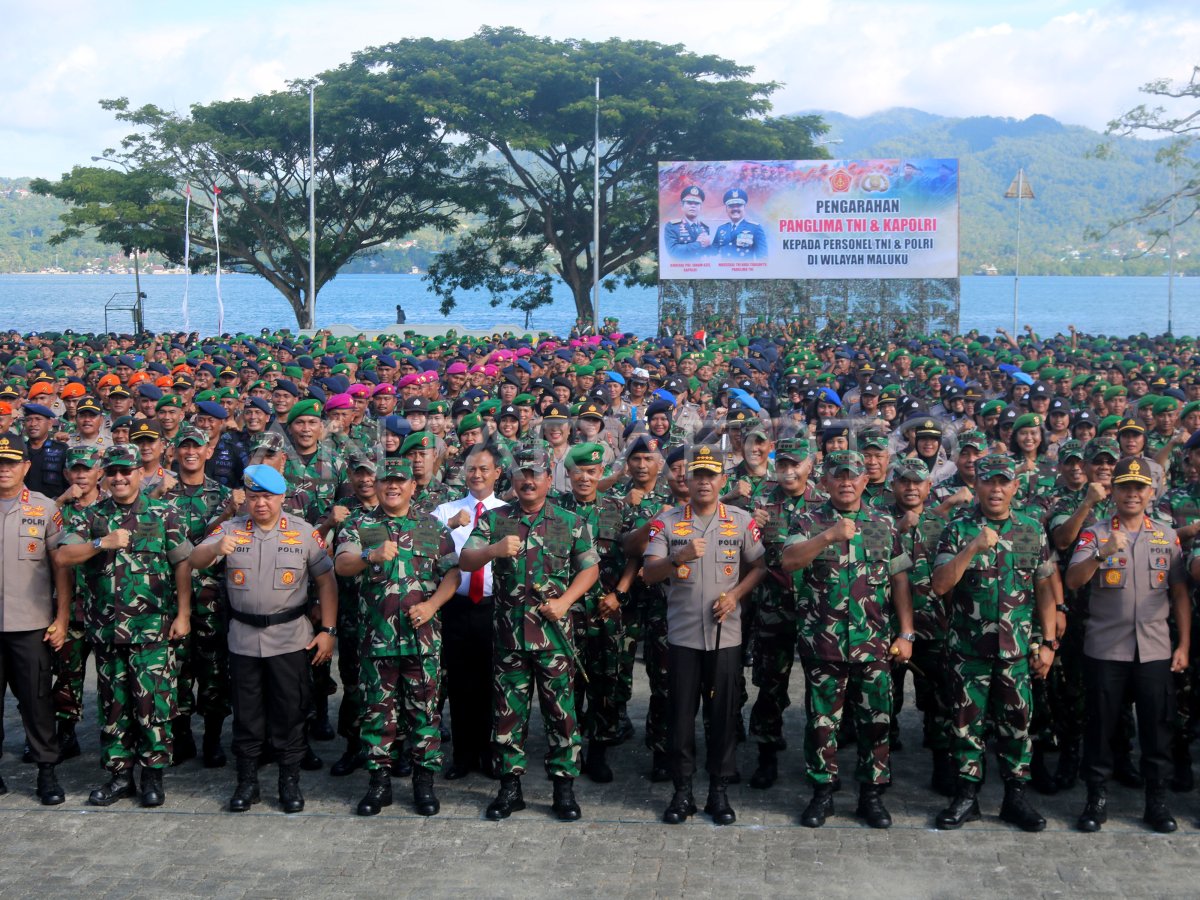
{"points": [[128, 620], [531, 651], [990, 629], [399, 663], [1180, 506], [70, 662], [846, 629]]}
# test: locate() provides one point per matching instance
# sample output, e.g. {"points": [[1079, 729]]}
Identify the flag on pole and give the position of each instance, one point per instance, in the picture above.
{"points": [[187, 251], [217, 240]]}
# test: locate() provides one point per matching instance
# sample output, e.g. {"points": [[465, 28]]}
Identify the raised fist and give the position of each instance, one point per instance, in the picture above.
{"points": [[844, 530], [508, 547], [385, 552], [987, 538]]}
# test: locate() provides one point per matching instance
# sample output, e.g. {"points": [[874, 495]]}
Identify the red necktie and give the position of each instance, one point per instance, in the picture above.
{"points": [[475, 592]]}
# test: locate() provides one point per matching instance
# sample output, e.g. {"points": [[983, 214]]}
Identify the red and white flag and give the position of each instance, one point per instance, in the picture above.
{"points": [[187, 251], [217, 240]]}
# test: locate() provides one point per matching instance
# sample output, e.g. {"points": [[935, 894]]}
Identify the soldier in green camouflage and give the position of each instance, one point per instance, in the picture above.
{"points": [[543, 561], [420, 449], [775, 619], [873, 444], [856, 601], [136, 555], [405, 566], [993, 564], [597, 629], [203, 657]]}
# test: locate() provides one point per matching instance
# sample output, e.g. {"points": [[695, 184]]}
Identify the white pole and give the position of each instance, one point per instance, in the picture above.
{"points": [[596, 220], [311, 300], [1017, 275], [1171, 257]]}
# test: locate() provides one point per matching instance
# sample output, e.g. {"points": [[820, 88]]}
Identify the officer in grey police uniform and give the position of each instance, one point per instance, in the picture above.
{"points": [[687, 237], [269, 558], [1135, 569], [30, 625], [711, 556]]}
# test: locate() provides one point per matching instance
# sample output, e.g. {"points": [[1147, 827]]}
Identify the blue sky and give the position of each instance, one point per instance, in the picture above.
{"points": [[1080, 62]]}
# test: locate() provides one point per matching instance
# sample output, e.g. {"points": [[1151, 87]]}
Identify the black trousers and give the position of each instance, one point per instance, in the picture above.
{"points": [[467, 641], [271, 697], [26, 665], [711, 677], [1106, 683]]}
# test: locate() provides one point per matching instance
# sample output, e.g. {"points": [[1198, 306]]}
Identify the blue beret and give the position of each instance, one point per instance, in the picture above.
{"points": [[615, 376], [397, 425], [284, 385], [210, 408], [260, 404], [386, 361], [150, 391], [36, 409], [264, 479], [317, 394]]}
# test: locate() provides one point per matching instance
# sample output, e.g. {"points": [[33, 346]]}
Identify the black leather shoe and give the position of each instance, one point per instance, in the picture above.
{"points": [[425, 801], [1066, 773], [1157, 816], [659, 770], [1040, 776], [819, 808], [564, 804], [871, 809], [767, 772], [68, 743], [290, 798], [1016, 809], [508, 798], [717, 805], [183, 742], [118, 787], [49, 791], [379, 793], [1126, 773], [247, 792], [597, 767], [1095, 810], [152, 788], [214, 753], [311, 762], [963, 808], [350, 761], [457, 771], [682, 804]]}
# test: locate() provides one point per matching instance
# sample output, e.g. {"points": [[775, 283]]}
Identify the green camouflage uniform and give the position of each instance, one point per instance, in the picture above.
{"points": [[846, 629], [399, 663], [70, 662], [203, 656], [990, 629], [1035, 488], [128, 620], [350, 710], [1180, 506], [531, 651]]}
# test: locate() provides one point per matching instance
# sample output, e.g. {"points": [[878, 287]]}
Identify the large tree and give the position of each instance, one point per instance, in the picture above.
{"points": [[526, 105], [384, 169]]}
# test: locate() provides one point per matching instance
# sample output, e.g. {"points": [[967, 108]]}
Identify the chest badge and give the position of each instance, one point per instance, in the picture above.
{"points": [[1112, 577], [288, 578], [683, 571]]}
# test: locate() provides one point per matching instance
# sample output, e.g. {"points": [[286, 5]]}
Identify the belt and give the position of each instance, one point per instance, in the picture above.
{"points": [[266, 621]]}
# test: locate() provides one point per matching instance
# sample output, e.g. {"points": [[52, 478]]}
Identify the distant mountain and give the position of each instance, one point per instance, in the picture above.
{"points": [[1073, 189]]}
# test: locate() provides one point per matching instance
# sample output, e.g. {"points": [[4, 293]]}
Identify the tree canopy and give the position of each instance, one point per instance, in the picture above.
{"points": [[527, 105]]}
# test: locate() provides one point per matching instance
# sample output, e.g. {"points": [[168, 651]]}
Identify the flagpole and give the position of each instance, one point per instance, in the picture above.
{"points": [[596, 220], [217, 241], [187, 253], [311, 299]]}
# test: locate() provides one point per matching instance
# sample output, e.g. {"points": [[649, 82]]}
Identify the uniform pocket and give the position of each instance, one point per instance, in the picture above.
{"points": [[286, 579]]}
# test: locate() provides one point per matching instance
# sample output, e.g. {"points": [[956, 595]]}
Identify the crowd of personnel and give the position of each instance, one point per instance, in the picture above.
{"points": [[448, 526]]}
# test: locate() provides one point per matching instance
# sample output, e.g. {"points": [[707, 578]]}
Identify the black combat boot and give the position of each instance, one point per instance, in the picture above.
{"points": [[660, 769], [564, 805], [767, 771], [1095, 811], [1039, 773], [214, 753], [682, 804], [182, 741], [290, 798], [352, 760], [508, 798], [945, 773], [1157, 816], [247, 793], [963, 808], [819, 808], [1066, 773], [320, 728], [1016, 809], [425, 801], [49, 791], [118, 787], [597, 767], [717, 805], [870, 807], [152, 787], [378, 795], [1182, 779], [68, 743], [310, 762]]}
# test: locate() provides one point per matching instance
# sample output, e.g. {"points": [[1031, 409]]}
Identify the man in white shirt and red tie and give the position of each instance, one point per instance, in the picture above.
{"points": [[467, 625]]}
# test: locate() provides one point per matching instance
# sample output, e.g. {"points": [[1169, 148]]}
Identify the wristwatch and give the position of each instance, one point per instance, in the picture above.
{"points": [[907, 636], [96, 543], [1053, 644], [366, 555], [330, 630]]}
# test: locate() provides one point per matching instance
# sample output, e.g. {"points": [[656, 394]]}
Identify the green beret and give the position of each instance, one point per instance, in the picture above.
{"points": [[467, 422], [304, 408], [586, 454], [1029, 420], [169, 400], [418, 440], [1108, 422]]}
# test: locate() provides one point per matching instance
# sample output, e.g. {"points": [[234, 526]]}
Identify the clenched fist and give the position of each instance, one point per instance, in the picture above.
{"points": [[339, 514], [228, 543], [962, 497], [986, 539], [693, 549], [1117, 542], [636, 496], [507, 547], [1095, 493], [385, 552], [844, 530], [460, 518], [116, 540]]}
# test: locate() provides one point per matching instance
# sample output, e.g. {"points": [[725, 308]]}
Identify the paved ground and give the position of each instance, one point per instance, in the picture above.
{"points": [[193, 847]]}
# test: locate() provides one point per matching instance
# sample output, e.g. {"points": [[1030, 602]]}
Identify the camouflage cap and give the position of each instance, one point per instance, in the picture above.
{"points": [[532, 459], [793, 448], [976, 439], [395, 467], [84, 455], [845, 461], [586, 454], [1101, 447], [997, 465], [910, 468], [267, 442], [1071, 449], [189, 432], [361, 461], [872, 439], [123, 456]]}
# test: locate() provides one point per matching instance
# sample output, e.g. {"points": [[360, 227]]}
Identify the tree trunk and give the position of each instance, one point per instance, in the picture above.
{"points": [[583, 302]]}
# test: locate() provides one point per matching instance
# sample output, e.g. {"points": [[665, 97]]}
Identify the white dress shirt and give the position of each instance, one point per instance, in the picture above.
{"points": [[448, 511]]}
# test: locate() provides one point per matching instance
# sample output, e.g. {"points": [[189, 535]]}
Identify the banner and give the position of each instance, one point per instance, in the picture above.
{"points": [[871, 218]]}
